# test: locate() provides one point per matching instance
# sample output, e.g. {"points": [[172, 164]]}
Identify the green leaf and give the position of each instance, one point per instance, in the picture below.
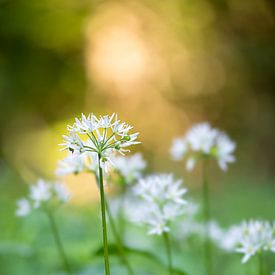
{"points": [[113, 250]]}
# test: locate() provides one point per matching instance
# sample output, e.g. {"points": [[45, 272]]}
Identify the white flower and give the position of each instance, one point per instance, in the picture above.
{"points": [[40, 192], [92, 134], [216, 233], [61, 192], [161, 201], [131, 167], [203, 141], [178, 149], [72, 164], [231, 238], [225, 148], [201, 137], [256, 237], [23, 207], [248, 249], [190, 163]]}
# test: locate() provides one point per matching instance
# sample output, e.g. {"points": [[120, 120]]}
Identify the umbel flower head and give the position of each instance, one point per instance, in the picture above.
{"points": [[101, 135], [249, 238], [160, 201], [256, 237], [203, 141], [129, 167], [42, 194]]}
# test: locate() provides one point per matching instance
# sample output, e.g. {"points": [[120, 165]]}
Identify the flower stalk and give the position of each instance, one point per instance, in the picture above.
{"points": [[207, 218], [58, 242], [119, 242], [167, 243], [261, 263], [103, 216]]}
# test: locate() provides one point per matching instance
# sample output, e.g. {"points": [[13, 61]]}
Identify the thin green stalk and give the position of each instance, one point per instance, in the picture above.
{"points": [[261, 264], [103, 215], [119, 243], [168, 251], [207, 218], [121, 212], [58, 242]]}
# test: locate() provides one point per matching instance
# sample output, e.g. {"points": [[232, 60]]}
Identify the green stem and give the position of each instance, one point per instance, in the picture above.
{"points": [[121, 212], [103, 215], [261, 264], [58, 242], [207, 218], [168, 251], [119, 243]]}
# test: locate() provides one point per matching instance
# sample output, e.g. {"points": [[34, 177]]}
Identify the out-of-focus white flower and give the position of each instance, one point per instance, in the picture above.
{"points": [[190, 163], [42, 194], [161, 201], [201, 137], [23, 207], [225, 148], [231, 238], [204, 141], [61, 192], [131, 167], [178, 149], [72, 164], [93, 134], [253, 237], [216, 233]]}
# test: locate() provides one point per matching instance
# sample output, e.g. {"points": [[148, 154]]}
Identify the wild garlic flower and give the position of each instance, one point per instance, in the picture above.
{"points": [[255, 237], [203, 141], [160, 201], [231, 238], [130, 167], [101, 135], [23, 207], [42, 194]]}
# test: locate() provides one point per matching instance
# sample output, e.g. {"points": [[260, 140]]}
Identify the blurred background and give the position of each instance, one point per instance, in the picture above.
{"points": [[162, 66]]}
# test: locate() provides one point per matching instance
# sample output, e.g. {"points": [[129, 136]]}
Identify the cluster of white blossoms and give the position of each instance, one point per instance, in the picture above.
{"points": [[100, 135], [130, 167], [159, 202], [42, 194], [203, 140], [256, 237], [249, 238]]}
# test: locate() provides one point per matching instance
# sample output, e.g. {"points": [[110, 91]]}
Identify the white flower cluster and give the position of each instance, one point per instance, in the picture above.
{"points": [[203, 140], [102, 136], [256, 237], [130, 168], [160, 202], [41, 194]]}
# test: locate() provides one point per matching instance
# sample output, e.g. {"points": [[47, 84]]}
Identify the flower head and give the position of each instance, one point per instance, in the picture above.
{"points": [[42, 194], [178, 149], [130, 168], [98, 135], [204, 141], [251, 238], [23, 207], [160, 201]]}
